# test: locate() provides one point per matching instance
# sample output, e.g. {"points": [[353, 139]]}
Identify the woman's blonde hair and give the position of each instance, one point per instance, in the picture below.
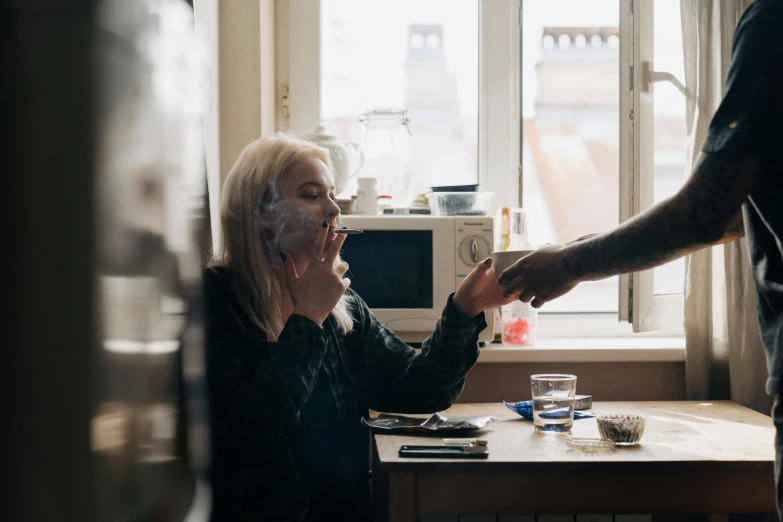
{"points": [[248, 192]]}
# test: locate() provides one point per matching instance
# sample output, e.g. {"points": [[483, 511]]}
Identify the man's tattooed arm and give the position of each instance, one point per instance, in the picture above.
{"points": [[706, 211], [735, 230]]}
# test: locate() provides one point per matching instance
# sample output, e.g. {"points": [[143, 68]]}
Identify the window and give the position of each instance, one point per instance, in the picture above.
{"points": [[570, 130], [336, 52], [540, 101], [424, 58]]}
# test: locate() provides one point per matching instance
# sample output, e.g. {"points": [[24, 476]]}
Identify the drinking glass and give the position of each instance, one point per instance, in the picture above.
{"points": [[553, 402]]}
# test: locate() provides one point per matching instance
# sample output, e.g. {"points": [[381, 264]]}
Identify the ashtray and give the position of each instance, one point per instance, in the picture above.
{"points": [[623, 430], [590, 445]]}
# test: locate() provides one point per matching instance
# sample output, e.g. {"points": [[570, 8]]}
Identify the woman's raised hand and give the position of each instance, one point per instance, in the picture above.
{"points": [[315, 293], [481, 291]]}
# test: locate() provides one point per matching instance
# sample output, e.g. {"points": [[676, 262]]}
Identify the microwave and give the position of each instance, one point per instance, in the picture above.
{"points": [[405, 266]]}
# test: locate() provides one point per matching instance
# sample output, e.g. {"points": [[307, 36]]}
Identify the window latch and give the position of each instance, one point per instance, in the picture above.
{"points": [[284, 102], [649, 77]]}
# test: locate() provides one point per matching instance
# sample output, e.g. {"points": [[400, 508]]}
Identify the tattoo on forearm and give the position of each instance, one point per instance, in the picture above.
{"points": [[701, 213], [735, 230]]}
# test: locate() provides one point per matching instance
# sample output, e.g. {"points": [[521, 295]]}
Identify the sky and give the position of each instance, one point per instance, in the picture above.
{"points": [[370, 55]]}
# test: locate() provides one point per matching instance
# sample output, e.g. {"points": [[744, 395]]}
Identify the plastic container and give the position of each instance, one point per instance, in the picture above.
{"points": [[520, 322], [460, 203], [456, 188], [367, 196], [384, 202]]}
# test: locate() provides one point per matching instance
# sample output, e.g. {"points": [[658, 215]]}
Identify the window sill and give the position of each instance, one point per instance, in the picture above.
{"points": [[592, 350]]}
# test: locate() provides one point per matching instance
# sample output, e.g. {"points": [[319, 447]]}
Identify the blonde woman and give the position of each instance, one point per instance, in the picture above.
{"points": [[295, 358]]}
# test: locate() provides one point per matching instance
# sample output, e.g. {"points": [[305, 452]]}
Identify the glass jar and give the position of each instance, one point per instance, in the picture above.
{"points": [[387, 153], [520, 320]]}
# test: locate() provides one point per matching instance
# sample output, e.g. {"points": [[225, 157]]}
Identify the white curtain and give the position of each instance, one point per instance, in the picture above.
{"points": [[724, 355]]}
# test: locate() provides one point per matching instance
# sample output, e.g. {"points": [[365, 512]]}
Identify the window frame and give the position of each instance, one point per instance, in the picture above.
{"points": [[298, 66], [639, 305], [500, 110], [298, 80]]}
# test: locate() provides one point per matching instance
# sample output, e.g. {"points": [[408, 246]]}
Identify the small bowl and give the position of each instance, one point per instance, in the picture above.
{"points": [[623, 430], [503, 260]]}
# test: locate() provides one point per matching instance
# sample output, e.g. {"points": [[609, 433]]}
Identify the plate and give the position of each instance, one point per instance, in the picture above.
{"points": [[590, 445]]}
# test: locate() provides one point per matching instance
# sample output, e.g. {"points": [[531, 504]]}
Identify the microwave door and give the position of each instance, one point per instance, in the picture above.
{"points": [[393, 269]]}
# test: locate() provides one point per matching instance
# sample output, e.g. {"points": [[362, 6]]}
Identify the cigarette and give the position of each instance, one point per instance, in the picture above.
{"points": [[347, 231]]}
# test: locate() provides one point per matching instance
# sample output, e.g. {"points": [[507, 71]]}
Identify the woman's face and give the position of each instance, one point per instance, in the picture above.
{"points": [[304, 201]]}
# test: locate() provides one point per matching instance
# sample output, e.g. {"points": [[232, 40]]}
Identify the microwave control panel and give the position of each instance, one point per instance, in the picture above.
{"points": [[473, 238]]}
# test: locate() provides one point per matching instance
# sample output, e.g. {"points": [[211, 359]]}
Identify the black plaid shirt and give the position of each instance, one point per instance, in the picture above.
{"points": [[286, 415]]}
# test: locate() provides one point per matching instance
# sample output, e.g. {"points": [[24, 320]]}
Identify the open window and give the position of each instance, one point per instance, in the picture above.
{"points": [[652, 121], [543, 102]]}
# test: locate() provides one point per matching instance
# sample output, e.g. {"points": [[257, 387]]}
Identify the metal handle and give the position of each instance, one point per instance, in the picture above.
{"points": [[651, 76]]}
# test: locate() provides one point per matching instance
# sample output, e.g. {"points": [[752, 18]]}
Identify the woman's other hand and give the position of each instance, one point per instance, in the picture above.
{"points": [[315, 293], [481, 291]]}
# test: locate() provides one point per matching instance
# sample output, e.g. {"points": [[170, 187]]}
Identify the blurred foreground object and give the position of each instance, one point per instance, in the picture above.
{"points": [[103, 197]]}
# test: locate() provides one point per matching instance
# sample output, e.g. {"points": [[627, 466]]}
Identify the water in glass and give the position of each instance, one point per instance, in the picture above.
{"points": [[553, 402]]}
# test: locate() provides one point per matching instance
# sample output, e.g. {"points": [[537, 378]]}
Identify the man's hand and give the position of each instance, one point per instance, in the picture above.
{"points": [[703, 213], [541, 276]]}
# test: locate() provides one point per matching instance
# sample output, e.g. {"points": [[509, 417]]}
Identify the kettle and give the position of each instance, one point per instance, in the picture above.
{"points": [[338, 152]]}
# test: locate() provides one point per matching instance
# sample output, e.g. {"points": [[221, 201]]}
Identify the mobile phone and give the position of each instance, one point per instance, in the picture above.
{"points": [[440, 452]]}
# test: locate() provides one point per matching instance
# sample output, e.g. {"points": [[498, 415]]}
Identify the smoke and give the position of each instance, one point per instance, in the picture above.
{"points": [[290, 227]]}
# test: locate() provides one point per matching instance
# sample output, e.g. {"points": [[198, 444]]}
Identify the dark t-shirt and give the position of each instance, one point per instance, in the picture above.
{"points": [[749, 122]]}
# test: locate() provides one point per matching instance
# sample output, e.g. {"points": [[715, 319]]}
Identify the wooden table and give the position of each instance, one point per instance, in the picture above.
{"points": [[712, 458]]}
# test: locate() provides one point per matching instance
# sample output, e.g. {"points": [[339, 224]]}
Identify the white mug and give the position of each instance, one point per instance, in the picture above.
{"points": [[503, 260]]}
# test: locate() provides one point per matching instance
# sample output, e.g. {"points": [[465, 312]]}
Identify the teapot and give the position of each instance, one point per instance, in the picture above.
{"points": [[338, 153]]}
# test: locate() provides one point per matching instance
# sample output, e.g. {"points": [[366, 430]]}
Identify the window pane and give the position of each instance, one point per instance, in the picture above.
{"points": [[420, 56], [570, 110], [670, 133]]}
